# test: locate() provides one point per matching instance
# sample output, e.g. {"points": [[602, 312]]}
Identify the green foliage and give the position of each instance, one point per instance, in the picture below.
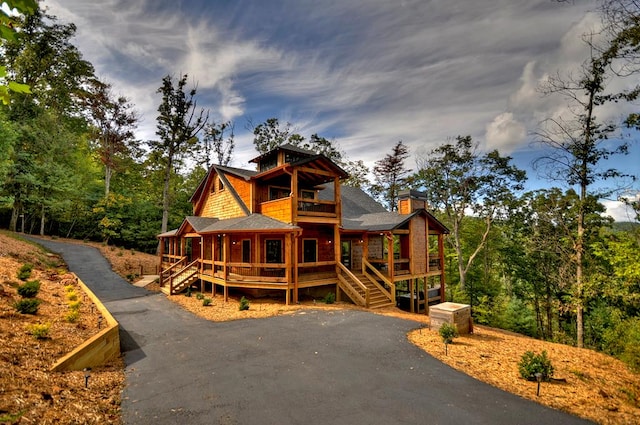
{"points": [[200, 296], [206, 301], [40, 330], [27, 306], [244, 304], [29, 289], [330, 298], [448, 332], [72, 296], [75, 305], [518, 317], [72, 316], [24, 272], [188, 292], [531, 363]]}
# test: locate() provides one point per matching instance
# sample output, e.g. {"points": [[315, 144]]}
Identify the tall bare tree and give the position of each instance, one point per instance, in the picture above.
{"points": [[114, 122], [179, 122]]}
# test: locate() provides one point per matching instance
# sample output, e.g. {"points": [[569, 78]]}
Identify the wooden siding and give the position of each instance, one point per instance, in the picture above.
{"points": [[419, 242], [221, 204], [279, 209]]}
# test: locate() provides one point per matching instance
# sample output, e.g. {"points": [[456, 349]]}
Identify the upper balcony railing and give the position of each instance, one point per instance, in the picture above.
{"points": [[316, 207]]}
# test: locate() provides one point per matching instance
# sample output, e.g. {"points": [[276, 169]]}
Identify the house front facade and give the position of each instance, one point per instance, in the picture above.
{"points": [[290, 226]]}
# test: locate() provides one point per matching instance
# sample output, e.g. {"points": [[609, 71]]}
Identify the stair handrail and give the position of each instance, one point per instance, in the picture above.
{"points": [[390, 294], [166, 273], [181, 271], [354, 279]]}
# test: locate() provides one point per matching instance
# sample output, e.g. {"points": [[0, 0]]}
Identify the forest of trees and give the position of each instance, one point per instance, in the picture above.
{"points": [[544, 263]]}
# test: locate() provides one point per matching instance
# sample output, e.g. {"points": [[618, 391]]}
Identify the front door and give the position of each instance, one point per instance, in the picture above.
{"points": [[345, 254]]}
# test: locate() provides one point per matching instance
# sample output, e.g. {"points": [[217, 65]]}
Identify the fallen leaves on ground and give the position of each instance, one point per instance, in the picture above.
{"points": [[29, 392]]}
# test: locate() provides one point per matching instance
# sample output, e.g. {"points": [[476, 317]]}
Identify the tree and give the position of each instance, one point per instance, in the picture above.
{"points": [[8, 25], [576, 146], [270, 134], [43, 58], [457, 180], [114, 122], [178, 125], [215, 144], [391, 175]]}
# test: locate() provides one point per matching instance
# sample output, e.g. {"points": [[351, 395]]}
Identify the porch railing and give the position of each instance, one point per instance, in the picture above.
{"points": [[375, 276], [315, 207], [166, 273], [250, 272], [352, 286]]}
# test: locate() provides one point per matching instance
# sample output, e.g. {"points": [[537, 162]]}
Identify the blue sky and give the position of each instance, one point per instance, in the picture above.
{"points": [[365, 73]]}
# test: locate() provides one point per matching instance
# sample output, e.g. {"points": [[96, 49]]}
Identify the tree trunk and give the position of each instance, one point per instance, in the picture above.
{"points": [[42, 218], [165, 194], [107, 180]]}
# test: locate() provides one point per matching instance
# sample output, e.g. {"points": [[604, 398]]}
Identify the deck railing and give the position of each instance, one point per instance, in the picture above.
{"points": [[316, 207]]}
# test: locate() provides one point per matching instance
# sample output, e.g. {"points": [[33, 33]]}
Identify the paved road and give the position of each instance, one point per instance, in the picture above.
{"points": [[311, 367]]}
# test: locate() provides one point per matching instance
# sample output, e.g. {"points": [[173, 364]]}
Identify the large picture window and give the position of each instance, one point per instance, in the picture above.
{"points": [[273, 251], [309, 250]]}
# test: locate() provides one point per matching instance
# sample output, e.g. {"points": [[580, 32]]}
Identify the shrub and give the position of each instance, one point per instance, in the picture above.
{"points": [[72, 296], [40, 331], [27, 306], [72, 316], [200, 296], [206, 301], [330, 298], [188, 293], [69, 288], [29, 289], [244, 304], [75, 305], [448, 331], [531, 363], [24, 272]]}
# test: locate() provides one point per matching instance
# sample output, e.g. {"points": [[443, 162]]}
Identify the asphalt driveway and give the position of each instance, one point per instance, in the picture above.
{"points": [[311, 367]]}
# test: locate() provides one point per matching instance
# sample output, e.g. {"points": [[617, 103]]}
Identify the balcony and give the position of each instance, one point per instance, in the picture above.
{"points": [[316, 208]]}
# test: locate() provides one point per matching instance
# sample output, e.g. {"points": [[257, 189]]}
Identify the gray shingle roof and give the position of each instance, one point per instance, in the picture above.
{"points": [[251, 223], [355, 201]]}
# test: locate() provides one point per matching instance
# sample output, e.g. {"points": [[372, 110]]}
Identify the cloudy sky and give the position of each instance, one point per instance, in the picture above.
{"points": [[366, 73]]}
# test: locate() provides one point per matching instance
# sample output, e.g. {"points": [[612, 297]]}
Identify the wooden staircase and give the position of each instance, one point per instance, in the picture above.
{"points": [[362, 290], [377, 298], [182, 279]]}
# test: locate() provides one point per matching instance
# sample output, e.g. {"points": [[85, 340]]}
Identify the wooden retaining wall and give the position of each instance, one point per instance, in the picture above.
{"points": [[97, 350]]}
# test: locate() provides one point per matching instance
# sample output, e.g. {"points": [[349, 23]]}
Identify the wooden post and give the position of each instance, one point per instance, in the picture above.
{"points": [[225, 260], [294, 255], [411, 308], [293, 218], [161, 257], [441, 256], [201, 264]]}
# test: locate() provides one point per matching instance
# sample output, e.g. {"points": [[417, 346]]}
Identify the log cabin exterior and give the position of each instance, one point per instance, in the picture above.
{"points": [[290, 226]]}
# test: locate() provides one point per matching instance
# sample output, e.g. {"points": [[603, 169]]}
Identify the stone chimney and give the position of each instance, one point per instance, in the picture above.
{"points": [[411, 200]]}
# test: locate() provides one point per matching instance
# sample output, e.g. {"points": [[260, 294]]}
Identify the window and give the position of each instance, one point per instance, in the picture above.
{"points": [[246, 250], [220, 185], [308, 194], [273, 251], [276, 192], [309, 250], [219, 247]]}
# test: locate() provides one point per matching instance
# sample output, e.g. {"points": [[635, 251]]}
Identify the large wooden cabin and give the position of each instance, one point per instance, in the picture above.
{"points": [[290, 226]]}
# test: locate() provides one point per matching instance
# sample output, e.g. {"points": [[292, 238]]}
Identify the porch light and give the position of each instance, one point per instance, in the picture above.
{"points": [[538, 376], [234, 242]]}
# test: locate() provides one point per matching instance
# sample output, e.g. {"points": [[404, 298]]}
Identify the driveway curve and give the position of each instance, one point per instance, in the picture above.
{"points": [[311, 367]]}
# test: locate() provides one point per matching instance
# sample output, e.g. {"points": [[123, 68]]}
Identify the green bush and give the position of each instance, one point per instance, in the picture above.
{"points": [[72, 316], [330, 298], [72, 296], [27, 306], [75, 305], [532, 363], [206, 301], [24, 272], [29, 289], [244, 304], [40, 331], [200, 296], [448, 331]]}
